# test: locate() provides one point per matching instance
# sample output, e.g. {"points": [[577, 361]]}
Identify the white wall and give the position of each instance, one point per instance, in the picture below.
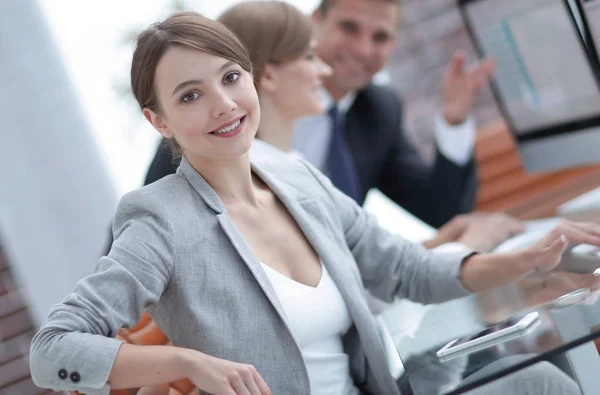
{"points": [[93, 38], [56, 198]]}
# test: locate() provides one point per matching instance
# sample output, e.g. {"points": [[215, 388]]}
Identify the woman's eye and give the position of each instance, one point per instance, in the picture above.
{"points": [[310, 56], [232, 77], [189, 97]]}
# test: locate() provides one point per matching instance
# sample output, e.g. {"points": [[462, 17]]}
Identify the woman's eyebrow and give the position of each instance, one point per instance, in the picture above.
{"points": [[198, 81]]}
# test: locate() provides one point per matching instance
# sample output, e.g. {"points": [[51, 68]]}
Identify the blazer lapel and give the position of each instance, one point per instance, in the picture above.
{"points": [[304, 211], [251, 261], [235, 237]]}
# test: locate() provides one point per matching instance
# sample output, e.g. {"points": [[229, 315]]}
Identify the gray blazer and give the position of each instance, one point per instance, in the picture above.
{"points": [[178, 254]]}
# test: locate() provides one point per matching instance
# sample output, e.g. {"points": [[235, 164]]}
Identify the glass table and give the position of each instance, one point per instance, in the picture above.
{"points": [[568, 306]]}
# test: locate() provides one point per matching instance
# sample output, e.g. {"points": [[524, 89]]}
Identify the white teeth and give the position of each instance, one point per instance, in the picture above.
{"points": [[229, 128]]}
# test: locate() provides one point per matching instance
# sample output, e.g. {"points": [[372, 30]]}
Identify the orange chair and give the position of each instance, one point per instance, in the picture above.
{"points": [[147, 332]]}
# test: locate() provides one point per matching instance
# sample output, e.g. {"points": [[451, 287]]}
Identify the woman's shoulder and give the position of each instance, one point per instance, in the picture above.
{"points": [[158, 189], [293, 170], [161, 198]]}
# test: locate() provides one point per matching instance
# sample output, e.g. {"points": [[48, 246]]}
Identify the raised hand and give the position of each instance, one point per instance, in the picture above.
{"points": [[460, 87]]}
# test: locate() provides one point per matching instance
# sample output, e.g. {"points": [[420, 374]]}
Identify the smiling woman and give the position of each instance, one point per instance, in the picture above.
{"points": [[198, 113], [287, 73], [161, 47], [250, 309]]}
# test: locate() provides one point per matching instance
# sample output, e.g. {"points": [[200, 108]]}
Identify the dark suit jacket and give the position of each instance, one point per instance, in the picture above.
{"points": [[386, 160]]}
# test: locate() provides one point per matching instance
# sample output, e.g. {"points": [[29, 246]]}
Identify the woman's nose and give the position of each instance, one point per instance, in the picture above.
{"points": [[223, 104]]}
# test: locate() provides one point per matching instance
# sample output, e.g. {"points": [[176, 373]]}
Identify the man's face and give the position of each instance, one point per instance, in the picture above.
{"points": [[356, 38]]}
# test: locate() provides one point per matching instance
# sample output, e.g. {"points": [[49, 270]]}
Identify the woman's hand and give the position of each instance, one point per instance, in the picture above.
{"points": [[221, 377], [485, 271], [545, 255]]}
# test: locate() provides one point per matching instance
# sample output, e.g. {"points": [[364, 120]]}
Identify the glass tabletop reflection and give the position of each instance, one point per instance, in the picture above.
{"points": [[567, 310]]}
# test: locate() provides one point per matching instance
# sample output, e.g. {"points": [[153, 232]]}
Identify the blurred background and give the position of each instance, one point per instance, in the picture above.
{"points": [[73, 141], [95, 41]]}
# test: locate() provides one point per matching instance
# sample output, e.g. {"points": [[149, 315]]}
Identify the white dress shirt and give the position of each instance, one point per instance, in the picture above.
{"points": [[312, 135]]}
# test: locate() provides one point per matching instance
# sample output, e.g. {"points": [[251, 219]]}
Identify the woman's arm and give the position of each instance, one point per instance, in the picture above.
{"points": [[75, 348], [391, 266], [487, 271], [141, 366]]}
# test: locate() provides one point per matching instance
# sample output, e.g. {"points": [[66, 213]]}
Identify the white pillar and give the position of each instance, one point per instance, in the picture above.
{"points": [[56, 198]]}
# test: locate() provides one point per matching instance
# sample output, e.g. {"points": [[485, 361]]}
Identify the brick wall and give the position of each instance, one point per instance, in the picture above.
{"points": [[431, 31], [16, 331]]}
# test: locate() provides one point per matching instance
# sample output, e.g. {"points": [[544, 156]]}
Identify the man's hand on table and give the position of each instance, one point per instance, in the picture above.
{"points": [[481, 232]]}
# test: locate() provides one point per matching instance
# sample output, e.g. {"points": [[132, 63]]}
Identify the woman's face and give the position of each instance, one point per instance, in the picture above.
{"points": [[297, 85], [207, 103]]}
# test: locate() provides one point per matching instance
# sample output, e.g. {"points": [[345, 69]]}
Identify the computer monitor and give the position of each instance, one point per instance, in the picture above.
{"points": [[544, 82], [587, 15]]}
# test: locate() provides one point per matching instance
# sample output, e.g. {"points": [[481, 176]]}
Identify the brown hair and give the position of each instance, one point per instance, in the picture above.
{"points": [[272, 31], [327, 4], [187, 29]]}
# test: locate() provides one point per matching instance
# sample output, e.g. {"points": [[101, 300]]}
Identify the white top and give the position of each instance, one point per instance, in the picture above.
{"points": [[312, 135], [318, 318]]}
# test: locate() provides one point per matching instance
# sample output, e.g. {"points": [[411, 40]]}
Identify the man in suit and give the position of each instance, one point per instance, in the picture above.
{"points": [[359, 143]]}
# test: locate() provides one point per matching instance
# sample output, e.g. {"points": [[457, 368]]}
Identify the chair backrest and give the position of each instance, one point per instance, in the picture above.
{"points": [[146, 332]]}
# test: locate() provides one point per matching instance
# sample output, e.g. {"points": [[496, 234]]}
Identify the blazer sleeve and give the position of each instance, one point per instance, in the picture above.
{"points": [[389, 265], [75, 348], [433, 193], [162, 165]]}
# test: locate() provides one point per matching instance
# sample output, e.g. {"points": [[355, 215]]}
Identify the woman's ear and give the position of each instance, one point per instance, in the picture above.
{"points": [[157, 121], [268, 79]]}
